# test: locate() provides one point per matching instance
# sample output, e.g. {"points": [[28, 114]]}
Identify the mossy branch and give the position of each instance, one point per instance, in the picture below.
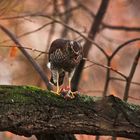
{"points": [[26, 110]]}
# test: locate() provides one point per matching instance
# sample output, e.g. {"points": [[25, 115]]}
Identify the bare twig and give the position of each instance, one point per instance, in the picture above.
{"points": [[86, 9], [32, 49], [38, 29], [121, 28], [66, 19], [119, 79], [105, 66], [37, 14], [123, 45], [30, 32], [134, 98], [107, 79]]}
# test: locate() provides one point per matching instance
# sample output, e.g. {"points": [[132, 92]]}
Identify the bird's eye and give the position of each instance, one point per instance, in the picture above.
{"points": [[75, 46]]}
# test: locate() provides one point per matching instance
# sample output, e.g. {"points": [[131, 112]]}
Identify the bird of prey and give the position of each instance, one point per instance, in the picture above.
{"points": [[64, 56]]}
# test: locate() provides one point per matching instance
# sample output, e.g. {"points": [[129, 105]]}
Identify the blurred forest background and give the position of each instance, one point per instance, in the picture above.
{"points": [[36, 23]]}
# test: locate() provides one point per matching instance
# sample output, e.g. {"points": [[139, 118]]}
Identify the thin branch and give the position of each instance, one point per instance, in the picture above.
{"points": [[86, 9], [67, 17], [38, 14], [121, 28], [67, 11], [123, 45], [32, 49], [119, 79], [38, 29], [89, 66], [107, 78], [134, 98], [30, 32], [105, 66]]}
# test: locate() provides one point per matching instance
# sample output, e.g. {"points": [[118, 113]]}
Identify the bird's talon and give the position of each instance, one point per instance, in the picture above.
{"points": [[68, 94], [56, 92], [73, 94]]}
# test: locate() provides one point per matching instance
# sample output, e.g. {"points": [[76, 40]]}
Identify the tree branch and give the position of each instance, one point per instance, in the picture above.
{"points": [[121, 28], [131, 74], [30, 111]]}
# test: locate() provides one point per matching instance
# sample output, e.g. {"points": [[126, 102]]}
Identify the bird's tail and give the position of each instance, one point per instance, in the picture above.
{"points": [[53, 79]]}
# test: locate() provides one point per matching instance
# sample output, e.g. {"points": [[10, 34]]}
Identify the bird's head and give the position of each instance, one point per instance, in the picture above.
{"points": [[74, 47]]}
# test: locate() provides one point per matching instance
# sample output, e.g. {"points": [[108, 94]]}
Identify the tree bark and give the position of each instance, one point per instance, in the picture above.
{"points": [[30, 111]]}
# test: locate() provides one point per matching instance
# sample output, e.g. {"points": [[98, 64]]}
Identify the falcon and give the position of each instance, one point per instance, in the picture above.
{"points": [[64, 56]]}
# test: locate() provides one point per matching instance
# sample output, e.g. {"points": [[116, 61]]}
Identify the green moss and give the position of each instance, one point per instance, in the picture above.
{"points": [[129, 105], [29, 94], [32, 88], [18, 98], [18, 93], [133, 107], [87, 99]]}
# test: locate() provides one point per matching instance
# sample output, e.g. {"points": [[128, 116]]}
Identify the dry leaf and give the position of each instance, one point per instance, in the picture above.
{"points": [[13, 52]]}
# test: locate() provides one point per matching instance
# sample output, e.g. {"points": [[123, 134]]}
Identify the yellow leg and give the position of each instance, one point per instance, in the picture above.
{"points": [[58, 89], [57, 85], [69, 84], [72, 94]]}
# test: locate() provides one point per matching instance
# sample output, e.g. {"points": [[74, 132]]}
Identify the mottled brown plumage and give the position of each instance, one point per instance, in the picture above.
{"points": [[64, 56]]}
